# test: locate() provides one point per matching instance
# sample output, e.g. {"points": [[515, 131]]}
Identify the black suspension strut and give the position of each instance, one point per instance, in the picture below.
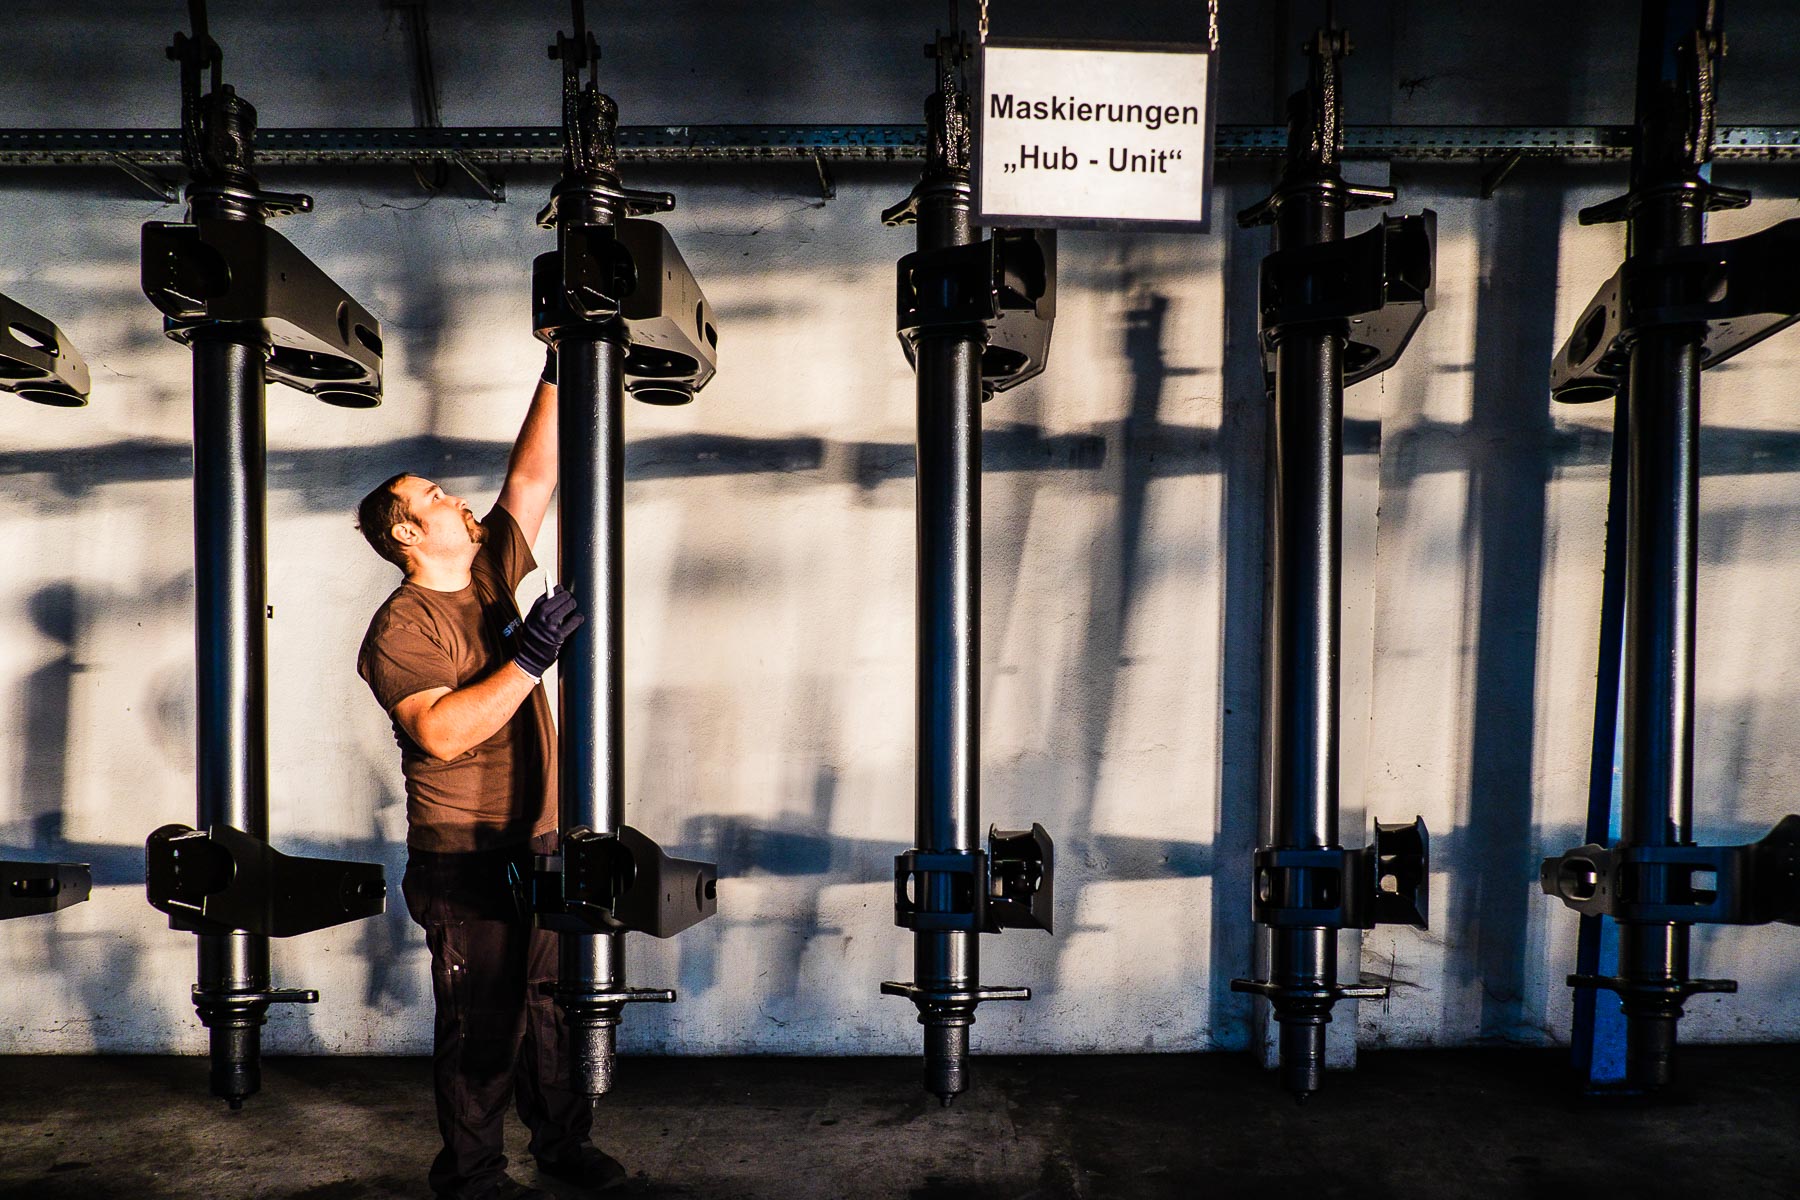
{"points": [[1335, 311], [625, 315], [251, 308], [974, 317], [1677, 306]]}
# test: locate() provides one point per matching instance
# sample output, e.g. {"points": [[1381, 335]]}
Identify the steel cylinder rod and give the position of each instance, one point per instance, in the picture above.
{"points": [[591, 678], [1660, 576], [1662, 394], [1677, 306], [1305, 528], [231, 667], [223, 281], [1304, 498], [618, 303], [1334, 311], [948, 611], [952, 309]]}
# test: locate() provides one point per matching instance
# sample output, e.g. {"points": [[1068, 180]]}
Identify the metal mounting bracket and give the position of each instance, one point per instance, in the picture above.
{"points": [[1377, 285], [1711, 885], [219, 880], [633, 273], [926, 998], [37, 361], [1008, 886], [491, 184], [1741, 291], [1384, 883], [1494, 176], [603, 998], [166, 190], [28, 889], [610, 883], [1677, 990], [217, 272], [1368, 989], [1004, 284]]}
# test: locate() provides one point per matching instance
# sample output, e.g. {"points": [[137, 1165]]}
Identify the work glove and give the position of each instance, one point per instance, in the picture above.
{"points": [[549, 375], [540, 636]]}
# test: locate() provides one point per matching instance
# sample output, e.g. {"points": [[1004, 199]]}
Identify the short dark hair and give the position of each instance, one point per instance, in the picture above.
{"points": [[378, 513]]}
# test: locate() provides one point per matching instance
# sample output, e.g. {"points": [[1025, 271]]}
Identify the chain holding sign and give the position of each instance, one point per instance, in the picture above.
{"points": [[1095, 135]]}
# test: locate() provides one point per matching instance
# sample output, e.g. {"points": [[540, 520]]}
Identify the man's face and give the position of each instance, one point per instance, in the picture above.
{"points": [[441, 524]]}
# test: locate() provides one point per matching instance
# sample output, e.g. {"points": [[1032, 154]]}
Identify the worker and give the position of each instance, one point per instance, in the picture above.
{"points": [[457, 669]]}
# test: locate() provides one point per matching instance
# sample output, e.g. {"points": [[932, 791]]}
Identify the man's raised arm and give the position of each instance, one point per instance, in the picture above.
{"points": [[445, 723], [531, 471]]}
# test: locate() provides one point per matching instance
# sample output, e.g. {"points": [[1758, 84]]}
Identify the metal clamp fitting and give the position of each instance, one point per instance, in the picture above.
{"points": [[1385, 883], [1741, 291], [1753, 884], [37, 361], [1377, 286], [633, 274], [611, 883], [1009, 886], [225, 272], [1003, 286]]}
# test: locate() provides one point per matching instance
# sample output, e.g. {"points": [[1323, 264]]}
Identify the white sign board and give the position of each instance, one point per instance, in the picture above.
{"points": [[1098, 135]]}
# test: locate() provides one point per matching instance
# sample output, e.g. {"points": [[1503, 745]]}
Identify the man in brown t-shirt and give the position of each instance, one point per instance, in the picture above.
{"points": [[456, 667]]}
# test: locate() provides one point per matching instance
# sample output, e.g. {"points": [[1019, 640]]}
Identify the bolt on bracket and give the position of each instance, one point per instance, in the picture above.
{"points": [[611, 883], [211, 272], [1755, 884], [28, 889], [222, 880], [630, 272], [1009, 886]]}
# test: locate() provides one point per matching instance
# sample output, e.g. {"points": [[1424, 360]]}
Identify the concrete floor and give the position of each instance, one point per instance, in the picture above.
{"points": [[1486, 1123]]}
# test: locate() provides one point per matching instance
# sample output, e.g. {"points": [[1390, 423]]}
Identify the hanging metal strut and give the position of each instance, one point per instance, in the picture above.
{"points": [[974, 317], [252, 308], [1334, 311], [625, 315], [1677, 306]]}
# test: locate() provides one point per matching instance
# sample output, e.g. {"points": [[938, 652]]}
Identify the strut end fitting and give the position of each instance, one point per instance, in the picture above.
{"points": [[946, 1061], [1303, 1054]]}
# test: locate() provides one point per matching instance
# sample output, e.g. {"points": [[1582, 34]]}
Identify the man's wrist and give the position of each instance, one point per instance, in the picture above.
{"points": [[549, 373], [537, 677]]}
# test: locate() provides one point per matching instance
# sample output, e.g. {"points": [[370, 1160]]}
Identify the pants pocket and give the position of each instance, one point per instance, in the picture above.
{"points": [[449, 969]]}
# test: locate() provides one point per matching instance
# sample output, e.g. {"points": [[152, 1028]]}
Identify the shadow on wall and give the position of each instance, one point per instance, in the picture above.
{"points": [[1509, 449], [1492, 899], [796, 844], [1244, 419], [67, 613]]}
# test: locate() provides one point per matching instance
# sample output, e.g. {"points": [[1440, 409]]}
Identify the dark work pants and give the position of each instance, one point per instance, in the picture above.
{"points": [[498, 1036]]}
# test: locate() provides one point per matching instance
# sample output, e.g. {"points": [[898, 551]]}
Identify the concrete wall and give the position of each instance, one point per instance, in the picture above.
{"points": [[770, 538]]}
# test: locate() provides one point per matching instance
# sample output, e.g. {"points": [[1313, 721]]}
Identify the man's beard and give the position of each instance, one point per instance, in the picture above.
{"points": [[478, 533]]}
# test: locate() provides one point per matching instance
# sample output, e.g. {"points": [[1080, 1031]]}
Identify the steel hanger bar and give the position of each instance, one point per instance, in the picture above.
{"points": [[507, 145]]}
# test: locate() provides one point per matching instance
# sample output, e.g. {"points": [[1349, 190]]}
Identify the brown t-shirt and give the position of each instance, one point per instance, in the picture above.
{"points": [[503, 791]]}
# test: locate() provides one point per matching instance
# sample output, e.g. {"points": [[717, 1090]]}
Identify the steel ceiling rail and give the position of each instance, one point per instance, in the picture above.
{"points": [[692, 143]]}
